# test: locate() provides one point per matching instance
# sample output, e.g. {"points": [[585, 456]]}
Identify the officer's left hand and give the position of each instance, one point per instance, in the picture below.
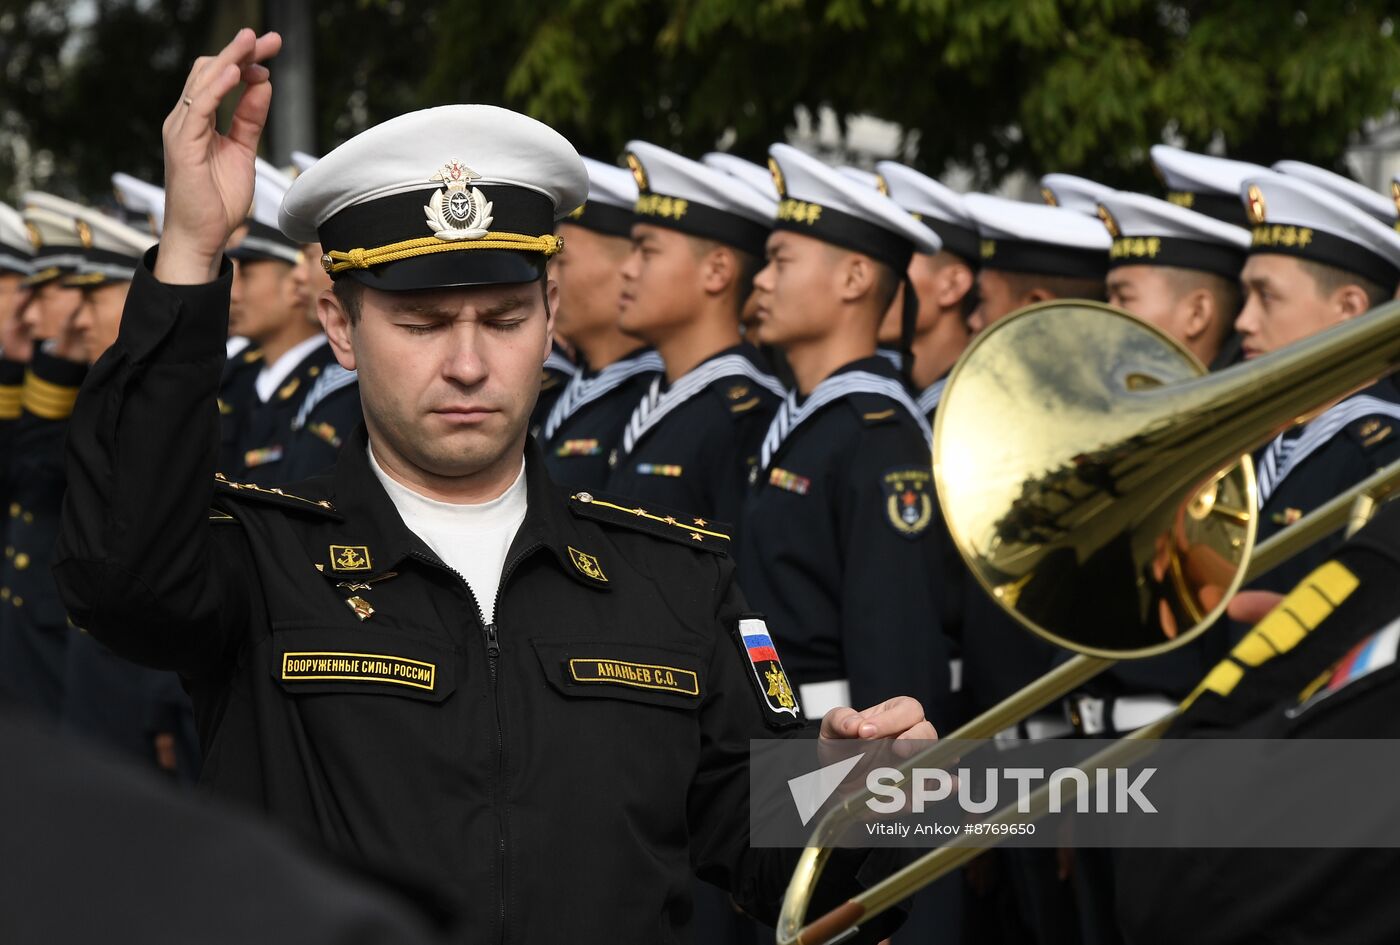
{"points": [[900, 717]]}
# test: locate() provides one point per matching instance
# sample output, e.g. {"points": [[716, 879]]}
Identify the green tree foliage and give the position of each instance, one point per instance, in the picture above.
{"points": [[1083, 86], [85, 86]]}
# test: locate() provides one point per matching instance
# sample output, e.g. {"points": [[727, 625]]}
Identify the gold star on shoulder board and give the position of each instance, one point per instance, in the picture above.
{"points": [[695, 536], [701, 522], [670, 520]]}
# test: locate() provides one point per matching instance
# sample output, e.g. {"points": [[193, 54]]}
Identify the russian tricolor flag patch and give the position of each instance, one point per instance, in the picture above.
{"points": [[772, 680]]}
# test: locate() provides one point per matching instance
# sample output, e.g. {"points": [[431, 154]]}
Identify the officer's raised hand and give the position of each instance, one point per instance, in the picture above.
{"points": [[208, 175], [901, 717]]}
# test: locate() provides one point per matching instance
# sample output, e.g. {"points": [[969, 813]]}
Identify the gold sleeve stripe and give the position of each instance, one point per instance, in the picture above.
{"points": [[47, 399], [33, 381], [1297, 615], [337, 261], [10, 402]]}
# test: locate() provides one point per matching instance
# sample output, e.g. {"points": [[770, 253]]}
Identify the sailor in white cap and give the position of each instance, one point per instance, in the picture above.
{"points": [[697, 242], [16, 261], [144, 712], [140, 200], [1315, 260], [1202, 182], [760, 179], [58, 251], [1073, 193], [584, 423], [1032, 253], [406, 658], [330, 409], [944, 282], [109, 264], [838, 541], [1377, 205], [34, 631], [1175, 268], [271, 307]]}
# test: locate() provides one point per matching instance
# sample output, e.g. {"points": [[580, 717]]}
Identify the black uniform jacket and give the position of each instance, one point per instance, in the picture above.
{"points": [[107, 852], [577, 452], [1287, 895], [850, 584], [1360, 448], [324, 421], [699, 455], [262, 438], [34, 629], [559, 772]]}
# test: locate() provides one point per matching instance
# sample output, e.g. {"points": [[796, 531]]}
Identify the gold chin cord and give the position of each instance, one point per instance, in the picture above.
{"points": [[1098, 484]]}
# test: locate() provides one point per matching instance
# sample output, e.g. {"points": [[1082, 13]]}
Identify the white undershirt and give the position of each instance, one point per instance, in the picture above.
{"points": [[272, 375], [471, 539]]}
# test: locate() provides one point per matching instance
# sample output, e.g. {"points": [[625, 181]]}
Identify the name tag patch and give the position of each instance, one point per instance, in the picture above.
{"points": [[358, 667], [683, 682]]}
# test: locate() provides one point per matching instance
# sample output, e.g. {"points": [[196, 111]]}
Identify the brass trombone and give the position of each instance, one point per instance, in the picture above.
{"points": [[1100, 488]]}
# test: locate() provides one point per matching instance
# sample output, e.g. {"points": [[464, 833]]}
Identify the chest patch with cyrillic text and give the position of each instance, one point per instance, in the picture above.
{"points": [[682, 682], [358, 667]]}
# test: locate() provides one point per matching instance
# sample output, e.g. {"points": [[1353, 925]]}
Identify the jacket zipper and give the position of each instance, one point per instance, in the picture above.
{"points": [[493, 652]]}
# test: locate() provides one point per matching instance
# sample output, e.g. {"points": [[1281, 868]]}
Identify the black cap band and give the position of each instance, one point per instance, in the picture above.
{"points": [[603, 218], [958, 240], [15, 262], [1306, 243], [697, 219], [844, 230], [1046, 259], [263, 242], [401, 217], [1216, 258], [1224, 207]]}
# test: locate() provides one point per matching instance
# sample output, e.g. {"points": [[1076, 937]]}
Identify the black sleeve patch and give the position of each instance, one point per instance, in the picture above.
{"points": [[775, 693], [908, 493]]}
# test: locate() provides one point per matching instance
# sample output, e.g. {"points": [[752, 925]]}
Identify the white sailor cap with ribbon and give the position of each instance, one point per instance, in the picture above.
{"points": [[936, 205], [58, 241], [303, 162], [1292, 217], [264, 239], [612, 195], [16, 243], [1028, 237], [1147, 231], [1073, 193], [1359, 195], [756, 176], [456, 195], [822, 203], [685, 195], [140, 200], [113, 250], [1200, 182]]}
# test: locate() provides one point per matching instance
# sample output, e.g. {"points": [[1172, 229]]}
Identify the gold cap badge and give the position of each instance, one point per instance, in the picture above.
{"points": [[1254, 204]]}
